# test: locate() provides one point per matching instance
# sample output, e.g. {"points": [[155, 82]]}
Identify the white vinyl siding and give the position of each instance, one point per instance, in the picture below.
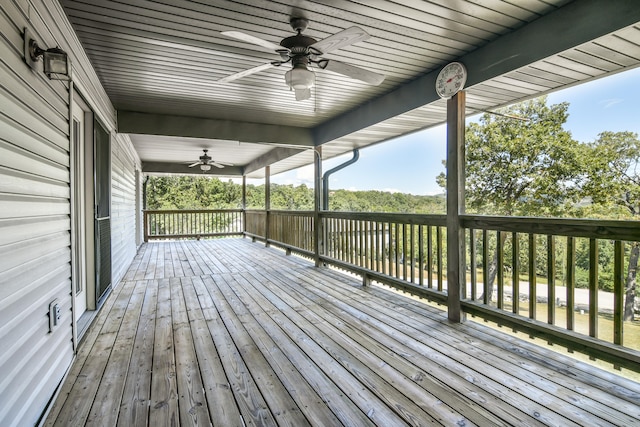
{"points": [[123, 205], [35, 234]]}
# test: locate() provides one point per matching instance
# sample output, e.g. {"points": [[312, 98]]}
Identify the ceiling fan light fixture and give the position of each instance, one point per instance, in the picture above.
{"points": [[300, 78], [205, 167]]}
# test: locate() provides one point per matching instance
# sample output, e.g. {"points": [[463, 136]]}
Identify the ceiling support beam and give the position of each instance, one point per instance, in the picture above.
{"points": [[271, 157], [196, 127], [184, 169], [576, 23]]}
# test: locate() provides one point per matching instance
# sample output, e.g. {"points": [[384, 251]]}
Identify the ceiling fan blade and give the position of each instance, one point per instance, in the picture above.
{"points": [[302, 94], [341, 39], [351, 71], [245, 73], [252, 39], [195, 164], [218, 165]]}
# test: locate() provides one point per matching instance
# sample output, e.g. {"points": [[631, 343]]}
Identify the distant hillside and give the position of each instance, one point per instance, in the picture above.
{"points": [[381, 201], [188, 192]]}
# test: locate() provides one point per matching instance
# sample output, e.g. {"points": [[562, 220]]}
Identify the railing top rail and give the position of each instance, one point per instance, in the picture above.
{"points": [[191, 210], [181, 211], [292, 213], [590, 228], [420, 219]]}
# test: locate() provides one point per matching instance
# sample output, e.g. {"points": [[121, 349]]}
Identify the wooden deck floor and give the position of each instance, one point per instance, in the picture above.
{"points": [[230, 333]]}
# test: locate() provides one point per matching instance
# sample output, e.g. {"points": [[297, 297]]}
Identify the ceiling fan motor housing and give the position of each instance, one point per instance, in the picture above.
{"points": [[205, 157], [297, 44]]}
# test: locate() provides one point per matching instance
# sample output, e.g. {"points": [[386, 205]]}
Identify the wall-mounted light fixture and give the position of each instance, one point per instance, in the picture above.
{"points": [[56, 63]]}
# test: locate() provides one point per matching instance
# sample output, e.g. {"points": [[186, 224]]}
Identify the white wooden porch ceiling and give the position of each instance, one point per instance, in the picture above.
{"points": [[163, 58]]}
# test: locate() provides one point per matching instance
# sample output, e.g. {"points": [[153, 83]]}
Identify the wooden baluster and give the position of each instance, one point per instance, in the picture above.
{"points": [[430, 256], [532, 276], [551, 280], [618, 292], [372, 244], [421, 255], [405, 252], [593, 287], [439, 254], [486, 264], [515, 286], [571, 281], [473, 255], [500, 268], [396, 228]]}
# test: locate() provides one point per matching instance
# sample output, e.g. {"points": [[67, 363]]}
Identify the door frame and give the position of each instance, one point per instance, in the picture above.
{"points": [[82, 227]]}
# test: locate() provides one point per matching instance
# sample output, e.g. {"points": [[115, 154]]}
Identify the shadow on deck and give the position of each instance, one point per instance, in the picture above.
{"points": [[228, 332]]}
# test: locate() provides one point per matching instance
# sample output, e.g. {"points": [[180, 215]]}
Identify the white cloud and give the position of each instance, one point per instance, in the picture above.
{"points": [[305, 175], [607, 103]]}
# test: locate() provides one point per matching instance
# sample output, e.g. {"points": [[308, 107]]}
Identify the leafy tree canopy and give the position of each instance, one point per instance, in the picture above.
{"points": [[521, 167], [613, 170]]}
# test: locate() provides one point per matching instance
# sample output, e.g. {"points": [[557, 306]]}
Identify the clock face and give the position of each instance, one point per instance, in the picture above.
{"points": [[451, 79]]}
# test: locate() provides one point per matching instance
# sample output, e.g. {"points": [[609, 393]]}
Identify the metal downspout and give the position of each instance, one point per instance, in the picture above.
{"points": [[325, 178]]}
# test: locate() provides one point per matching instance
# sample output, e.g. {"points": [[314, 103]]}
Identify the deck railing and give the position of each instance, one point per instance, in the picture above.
{"points": [[520, 272], [293, 229], [524, 272], [193, 224], [404, 250], [256, 224]]}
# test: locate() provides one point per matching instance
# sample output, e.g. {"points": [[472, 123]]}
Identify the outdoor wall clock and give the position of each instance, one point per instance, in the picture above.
{"points": [[451, 80]]}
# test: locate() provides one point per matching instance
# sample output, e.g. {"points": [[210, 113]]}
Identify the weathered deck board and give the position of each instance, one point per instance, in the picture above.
{"points": [[228, 332], [134, 409]]}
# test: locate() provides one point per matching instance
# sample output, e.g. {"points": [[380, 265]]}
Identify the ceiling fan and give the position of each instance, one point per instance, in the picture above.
{"points": [[303, 51], [205, 161]]}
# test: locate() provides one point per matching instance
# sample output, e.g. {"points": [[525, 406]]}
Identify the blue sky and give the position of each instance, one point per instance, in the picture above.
{"points": [[411, 163]]}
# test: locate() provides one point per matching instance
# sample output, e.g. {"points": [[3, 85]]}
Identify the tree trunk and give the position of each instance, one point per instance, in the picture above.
{"points": [[630, 286]]}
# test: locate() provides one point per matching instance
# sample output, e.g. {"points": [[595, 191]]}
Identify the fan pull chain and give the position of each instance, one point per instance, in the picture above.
{"points": [[315, 93]]}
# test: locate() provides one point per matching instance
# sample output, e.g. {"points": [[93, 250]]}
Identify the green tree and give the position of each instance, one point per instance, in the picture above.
{"points": [[613, 180], [186, 192], [521, 162]]}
